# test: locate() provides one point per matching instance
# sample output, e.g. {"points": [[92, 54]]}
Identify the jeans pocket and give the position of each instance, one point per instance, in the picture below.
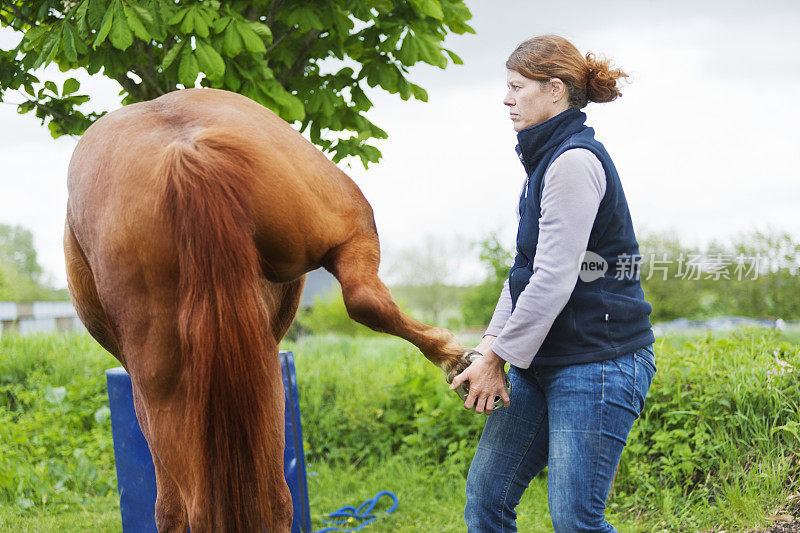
{"points": [[645, 370], [647, 357]]}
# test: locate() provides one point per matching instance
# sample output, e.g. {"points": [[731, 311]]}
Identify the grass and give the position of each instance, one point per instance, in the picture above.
{"points": [[98, 514], [430, 499], [718, 446]]}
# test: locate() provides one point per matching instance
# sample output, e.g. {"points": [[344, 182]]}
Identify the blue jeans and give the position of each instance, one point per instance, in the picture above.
{"points": [[573, 419]]}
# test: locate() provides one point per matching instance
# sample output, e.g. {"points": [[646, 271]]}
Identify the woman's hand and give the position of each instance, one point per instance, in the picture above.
{"points": [[486, 380]]}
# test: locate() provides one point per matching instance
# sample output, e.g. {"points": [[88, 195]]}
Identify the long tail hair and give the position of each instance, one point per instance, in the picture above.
{"points": [[223, 326]]}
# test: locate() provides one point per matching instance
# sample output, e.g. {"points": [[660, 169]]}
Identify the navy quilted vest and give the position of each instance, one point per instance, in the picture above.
{"points": [[603, 318]]}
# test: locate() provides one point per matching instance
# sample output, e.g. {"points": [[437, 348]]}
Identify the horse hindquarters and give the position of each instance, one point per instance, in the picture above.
{"points": [[83, 291], [235, 397]]}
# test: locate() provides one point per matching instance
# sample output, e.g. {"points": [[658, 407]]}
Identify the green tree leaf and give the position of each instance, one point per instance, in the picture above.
{"points": [[188, 69], [432, 8], [251, 40], [454, 57], [68, 42], [431, 50], [70, 86], [96, 13], [178, 16], [202, 23], [34, 36], [105, 25], [419, 93], [409, 50], [360, 99], [139, 19], [172, 54], [120, 35], [221, 23], [263, 31], [232, 41], [232, 81], [210, 61]]}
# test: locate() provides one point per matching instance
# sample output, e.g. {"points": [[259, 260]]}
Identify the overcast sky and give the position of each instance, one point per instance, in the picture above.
{"points": [[705, 137]]}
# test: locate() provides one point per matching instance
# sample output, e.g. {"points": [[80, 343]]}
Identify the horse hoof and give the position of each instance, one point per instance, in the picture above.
{"points": [[463, 390], [462, 363]]}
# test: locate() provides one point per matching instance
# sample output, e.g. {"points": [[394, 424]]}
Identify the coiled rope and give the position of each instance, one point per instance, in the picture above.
{"points": [[349, 514]]}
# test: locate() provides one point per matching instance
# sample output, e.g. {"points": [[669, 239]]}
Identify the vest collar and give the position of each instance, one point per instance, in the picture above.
{"points": [[536, 140]]}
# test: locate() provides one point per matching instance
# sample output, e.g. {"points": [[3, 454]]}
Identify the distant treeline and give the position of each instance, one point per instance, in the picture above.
{"points": [[21, 276], [755, 275]]}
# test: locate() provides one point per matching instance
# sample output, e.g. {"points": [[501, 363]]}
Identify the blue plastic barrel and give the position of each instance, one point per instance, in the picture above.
{"points": [[136, 477]]}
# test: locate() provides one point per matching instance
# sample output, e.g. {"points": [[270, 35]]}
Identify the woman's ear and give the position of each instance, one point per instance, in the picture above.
{"points": [[558, 89]]}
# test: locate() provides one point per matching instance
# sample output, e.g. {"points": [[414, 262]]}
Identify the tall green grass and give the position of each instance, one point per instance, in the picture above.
{"points": [[56, 452], [717, 447]]}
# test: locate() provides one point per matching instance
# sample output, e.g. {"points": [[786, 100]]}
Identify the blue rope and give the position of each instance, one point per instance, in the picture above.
{"points": [[362, 512]]}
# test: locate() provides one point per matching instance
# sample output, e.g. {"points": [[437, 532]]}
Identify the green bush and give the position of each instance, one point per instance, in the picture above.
{"points": [[365, 400], [673, 284], [20, 272], [722, 420], [479, 301]]}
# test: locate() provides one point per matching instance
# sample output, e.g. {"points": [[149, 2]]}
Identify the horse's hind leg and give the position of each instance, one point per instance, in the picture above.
{"points": [[161, 382], [170, 510], [368, 301]]}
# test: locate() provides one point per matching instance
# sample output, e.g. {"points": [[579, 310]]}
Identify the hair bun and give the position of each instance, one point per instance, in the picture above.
{"points": [[601, 79]]}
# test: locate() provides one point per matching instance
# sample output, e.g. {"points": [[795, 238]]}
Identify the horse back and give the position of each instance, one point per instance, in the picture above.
{"points": [[303, 205]]}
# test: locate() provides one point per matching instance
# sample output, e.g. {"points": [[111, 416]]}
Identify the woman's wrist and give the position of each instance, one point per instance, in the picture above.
{"points": [[485, 348], [486, 343], [494, 359]]}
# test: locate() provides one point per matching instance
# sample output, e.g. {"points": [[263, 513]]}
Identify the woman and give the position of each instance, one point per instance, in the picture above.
{"points": [[578, 337]]}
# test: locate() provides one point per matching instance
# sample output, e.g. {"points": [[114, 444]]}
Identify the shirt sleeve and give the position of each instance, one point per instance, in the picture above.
{"points": [[574, 185], [502, 312]]}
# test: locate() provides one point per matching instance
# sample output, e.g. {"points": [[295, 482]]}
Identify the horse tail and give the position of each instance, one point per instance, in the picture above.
{"points": [[223, 328]]}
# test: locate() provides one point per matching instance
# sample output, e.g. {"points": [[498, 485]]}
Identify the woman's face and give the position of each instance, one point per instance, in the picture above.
{"points": [[529, 101]]}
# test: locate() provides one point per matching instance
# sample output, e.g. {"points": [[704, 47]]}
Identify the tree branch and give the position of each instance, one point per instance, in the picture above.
{"points": [[149, 75], [302, 57], [130, 86], [47, 108], [279, 41], [273, 10]]}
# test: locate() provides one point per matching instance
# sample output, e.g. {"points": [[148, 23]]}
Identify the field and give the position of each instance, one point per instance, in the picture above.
{"points": [[717, 447]]}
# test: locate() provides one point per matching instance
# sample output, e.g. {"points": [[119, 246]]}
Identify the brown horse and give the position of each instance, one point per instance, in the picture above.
{"points": [[191, 222]]}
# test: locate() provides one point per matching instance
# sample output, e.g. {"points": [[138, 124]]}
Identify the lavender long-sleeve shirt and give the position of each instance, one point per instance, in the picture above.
{"points": [[574, 185]]}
